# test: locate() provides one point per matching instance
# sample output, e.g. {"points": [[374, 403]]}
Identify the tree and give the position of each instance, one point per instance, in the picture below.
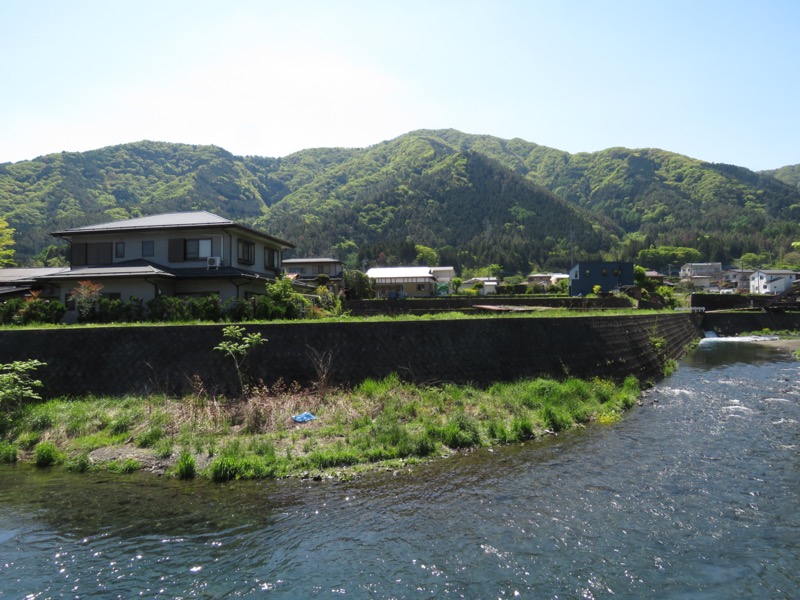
{"points": [[456, 282], [662, 256], [86, 295], [426, 256], [751, 259], [286, 303], [357, 285], [6, 241]]}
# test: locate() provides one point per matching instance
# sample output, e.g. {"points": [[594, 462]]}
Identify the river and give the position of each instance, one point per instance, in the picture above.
{"points": [[693, 494]]}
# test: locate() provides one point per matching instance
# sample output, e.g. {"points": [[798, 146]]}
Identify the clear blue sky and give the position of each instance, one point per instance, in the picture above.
{"points": [[716, 80]]}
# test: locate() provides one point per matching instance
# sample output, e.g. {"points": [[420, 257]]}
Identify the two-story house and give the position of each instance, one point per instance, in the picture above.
{"points": [[772, 281], [177, 254], [308, 270], [736, 279], [610, 276]]}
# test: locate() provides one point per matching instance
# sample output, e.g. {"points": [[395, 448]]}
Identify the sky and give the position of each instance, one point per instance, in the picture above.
{"points": [[715, 80]]}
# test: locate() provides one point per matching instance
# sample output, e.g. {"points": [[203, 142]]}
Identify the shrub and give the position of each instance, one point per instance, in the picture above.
{"points": [[16, 383], [46, 454], [39, 310], [8, 453], [10, 311]]}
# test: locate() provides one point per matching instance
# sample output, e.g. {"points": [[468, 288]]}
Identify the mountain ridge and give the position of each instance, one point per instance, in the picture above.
{"points": [[477, 199]]}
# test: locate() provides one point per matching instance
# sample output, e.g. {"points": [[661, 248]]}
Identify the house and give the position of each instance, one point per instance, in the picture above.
{"points": [[175, 254], [702, 275], [655, 276], [307, 270], [735, 279], [610, 276], [489, 284], [402, 282], [546, 279], [772, 281]]}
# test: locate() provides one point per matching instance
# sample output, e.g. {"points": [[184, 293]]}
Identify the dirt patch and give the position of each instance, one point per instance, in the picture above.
{"points": [[144, 456]]}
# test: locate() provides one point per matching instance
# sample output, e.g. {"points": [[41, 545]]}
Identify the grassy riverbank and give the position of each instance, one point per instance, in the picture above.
{"points": [[379, 424]]}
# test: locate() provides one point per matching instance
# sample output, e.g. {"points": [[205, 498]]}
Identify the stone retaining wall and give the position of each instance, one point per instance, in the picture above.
{"points": [[728, 324], [171, 359]]}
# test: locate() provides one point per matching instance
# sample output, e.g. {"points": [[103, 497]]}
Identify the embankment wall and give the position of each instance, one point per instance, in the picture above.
{"points": [[173, 359], [735, 323]]}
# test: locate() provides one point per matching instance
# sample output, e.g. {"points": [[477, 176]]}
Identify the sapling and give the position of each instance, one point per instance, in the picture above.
{"points": [[237, 345]]}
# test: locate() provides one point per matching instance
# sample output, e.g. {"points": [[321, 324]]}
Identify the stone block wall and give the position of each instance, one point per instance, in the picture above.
{"points": [[172, 359], [728, 324]]}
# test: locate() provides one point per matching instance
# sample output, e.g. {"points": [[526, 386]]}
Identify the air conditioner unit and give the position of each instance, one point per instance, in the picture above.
{"points": [[213, 262]]}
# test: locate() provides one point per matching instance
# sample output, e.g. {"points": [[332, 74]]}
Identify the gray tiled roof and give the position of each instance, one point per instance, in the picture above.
{"points": [[179, 219], [23, 274]]}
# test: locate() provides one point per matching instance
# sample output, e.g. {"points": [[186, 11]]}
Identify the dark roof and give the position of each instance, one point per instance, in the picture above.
{"points": [[131, 268], [179, 220], [21, 275], [143, 268], [295, 261]]}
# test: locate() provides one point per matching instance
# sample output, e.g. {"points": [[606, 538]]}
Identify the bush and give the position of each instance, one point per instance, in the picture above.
{"points": [[8, 453], [46, 454]]}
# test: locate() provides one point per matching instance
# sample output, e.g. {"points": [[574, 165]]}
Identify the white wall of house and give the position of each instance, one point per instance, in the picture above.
{"points": [[690, 270], [772, 281]]}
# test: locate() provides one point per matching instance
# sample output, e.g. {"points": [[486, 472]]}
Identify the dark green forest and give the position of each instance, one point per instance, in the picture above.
{"points": [[477, 200]]}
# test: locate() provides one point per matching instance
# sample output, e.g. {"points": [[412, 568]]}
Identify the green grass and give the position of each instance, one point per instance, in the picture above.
{"points": [[380, 422], [546, 312]]}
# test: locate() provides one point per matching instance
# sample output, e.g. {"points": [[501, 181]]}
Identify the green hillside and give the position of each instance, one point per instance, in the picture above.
{"points": [[477, 200]]}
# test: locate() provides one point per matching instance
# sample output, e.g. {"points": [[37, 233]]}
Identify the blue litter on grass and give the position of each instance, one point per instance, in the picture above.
{"points": [[306, 416]]}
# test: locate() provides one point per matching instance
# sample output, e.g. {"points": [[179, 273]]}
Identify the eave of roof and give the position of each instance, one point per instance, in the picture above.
{"points": [[130, 269], [181, 220]]}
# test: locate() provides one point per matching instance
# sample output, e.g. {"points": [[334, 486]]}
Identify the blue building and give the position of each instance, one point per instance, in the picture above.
{"points": [[610, 276]]}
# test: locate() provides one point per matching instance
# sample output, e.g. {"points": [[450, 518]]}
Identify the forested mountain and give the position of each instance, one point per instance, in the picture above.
{"points": [[477, 200], [789, 174]]}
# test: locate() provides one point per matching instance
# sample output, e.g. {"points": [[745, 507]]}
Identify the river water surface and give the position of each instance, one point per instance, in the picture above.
{"points": [[694, 494]]}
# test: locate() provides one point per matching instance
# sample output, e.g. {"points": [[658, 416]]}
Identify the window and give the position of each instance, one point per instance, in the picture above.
{"points": [[247, 252], [272, 258], [198, 249], [93, 253], [119, 250], [148, 248]]}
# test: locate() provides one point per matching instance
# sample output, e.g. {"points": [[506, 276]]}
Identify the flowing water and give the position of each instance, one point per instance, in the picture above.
{"points": [[694, 494]]}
